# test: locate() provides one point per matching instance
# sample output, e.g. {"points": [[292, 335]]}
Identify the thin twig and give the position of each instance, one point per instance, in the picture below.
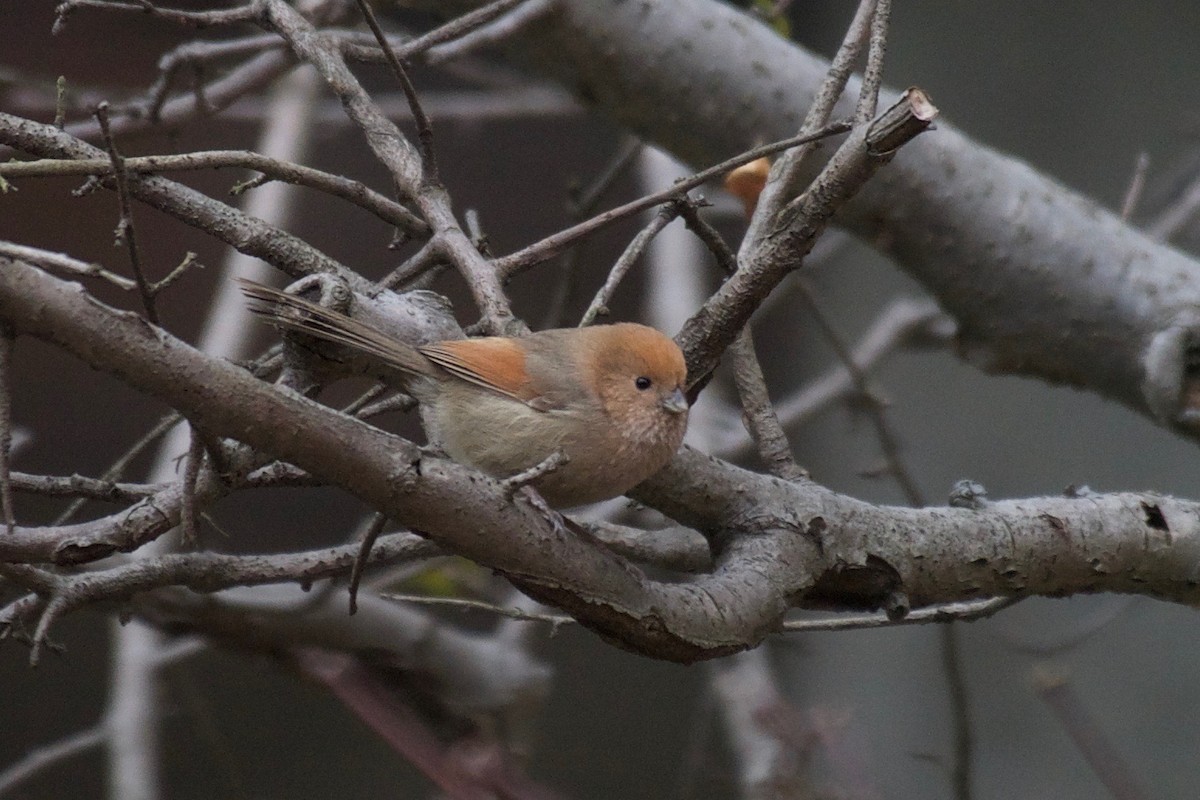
{"points": [[253, 75], [950, 612], [193, 461], [584, 201], [758, 412], [186, 265], [710, 237], [888, 442], [374, 393], [422, 262], [960, 704], [514, 263], [196, 19], [202, 572], [118, 467], [64, 263], [80, 486], [397, 402], [868, 96], [1137, 183], [424, 129], [581, 204], [905, 323], [465, 603], [514, 15], [125, 229], [43, 758], [195, 56], [599, 304], [60, 102], [6, 428], [1101, 755], [374, 528], [403, 162], [455, 29], [785, 177], [352, 191]]}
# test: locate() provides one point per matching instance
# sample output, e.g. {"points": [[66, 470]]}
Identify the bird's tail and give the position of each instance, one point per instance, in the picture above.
{"points": [[297, 314]]}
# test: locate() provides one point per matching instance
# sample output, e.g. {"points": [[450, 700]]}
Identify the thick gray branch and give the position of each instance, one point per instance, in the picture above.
{"points": [[1042, 281], [779, 544]]}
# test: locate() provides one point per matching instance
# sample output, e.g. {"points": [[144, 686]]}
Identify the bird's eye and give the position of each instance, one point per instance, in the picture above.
{"points": [[642, 382]]}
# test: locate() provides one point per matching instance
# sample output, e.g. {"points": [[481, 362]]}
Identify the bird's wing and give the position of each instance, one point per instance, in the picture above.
{"points": [[493, 363]]}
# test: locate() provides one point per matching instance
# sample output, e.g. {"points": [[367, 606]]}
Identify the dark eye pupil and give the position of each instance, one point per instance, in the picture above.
{"points": [[642, 382]]}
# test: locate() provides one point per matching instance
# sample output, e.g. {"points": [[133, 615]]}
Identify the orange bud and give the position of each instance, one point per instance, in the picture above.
{"points": [[747, 182]]}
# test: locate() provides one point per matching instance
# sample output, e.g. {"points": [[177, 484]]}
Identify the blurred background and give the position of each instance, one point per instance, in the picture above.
{"points": [[1077, 89]]}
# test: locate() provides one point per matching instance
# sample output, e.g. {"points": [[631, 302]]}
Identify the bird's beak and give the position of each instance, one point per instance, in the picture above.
{"points": [[675, 402]]}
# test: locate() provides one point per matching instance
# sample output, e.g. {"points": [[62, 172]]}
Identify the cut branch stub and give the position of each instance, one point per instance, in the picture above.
{"points": [[912, 114], [795, 230]]}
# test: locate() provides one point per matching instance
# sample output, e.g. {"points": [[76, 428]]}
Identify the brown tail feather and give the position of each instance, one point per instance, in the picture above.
{"points": [[323, 323]]}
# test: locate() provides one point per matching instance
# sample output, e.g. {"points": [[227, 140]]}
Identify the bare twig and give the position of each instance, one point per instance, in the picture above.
{"points": [[118, 467], [555, 620], [868, 97], [403, 162], [423, 262], [888, 442], [186, 265], [508, 17], [794, 230], [80, 486], [784, 182], [1137, 184], [193, 461], [514, 263], [442, 36], [125, 228], [47, 756], [374, 393], [710, 237], [1055, 689], [253, 75], [960, 705], [206, 572], [370, 535], [6, 428], [758, 412], [599, 304], [64, 263], [353, 191], [582, 203], [249, 235], [904, 323], [424, 129], [397, 402], [249, 12], [950, 612], [60, 102], [195, 56]]}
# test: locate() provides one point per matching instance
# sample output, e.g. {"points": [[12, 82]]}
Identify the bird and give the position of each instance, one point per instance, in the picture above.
{"points": [[609, 399]]}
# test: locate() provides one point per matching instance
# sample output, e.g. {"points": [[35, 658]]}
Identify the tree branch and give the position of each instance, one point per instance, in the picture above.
{"points": [[1042, 281], [778, 543]]}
